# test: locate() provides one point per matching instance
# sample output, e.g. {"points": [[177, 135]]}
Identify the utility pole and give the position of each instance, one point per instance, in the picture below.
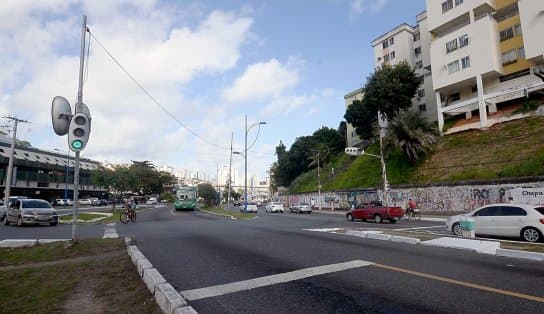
{"points": [[7, 190], [318, 182], [245, 169], [230, 172]]}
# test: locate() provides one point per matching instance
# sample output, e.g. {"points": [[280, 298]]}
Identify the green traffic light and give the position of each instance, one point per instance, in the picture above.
{"points": [[77, 144]]}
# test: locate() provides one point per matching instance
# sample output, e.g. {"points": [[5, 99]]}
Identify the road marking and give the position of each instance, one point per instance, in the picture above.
{"points": [[109, 232], [419, 228], [462, 283], [324, 229], [213, 291]]}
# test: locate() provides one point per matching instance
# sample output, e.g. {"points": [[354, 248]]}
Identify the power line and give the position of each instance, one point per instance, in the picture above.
{"points": [[153, 99]]}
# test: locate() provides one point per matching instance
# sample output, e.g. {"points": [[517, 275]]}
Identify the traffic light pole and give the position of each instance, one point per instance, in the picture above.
{"points": [[75, 211]]}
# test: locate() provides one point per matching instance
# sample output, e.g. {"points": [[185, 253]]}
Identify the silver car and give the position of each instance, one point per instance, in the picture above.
{"points": [[31, 211]]}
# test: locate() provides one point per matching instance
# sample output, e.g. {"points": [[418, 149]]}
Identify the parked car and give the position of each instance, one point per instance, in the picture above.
{"points": [[152, 201], [95, 201], [3, 210], [301, 208], [375, 211], [251, 208], [84, 201], [523, 221], [237, 203], [275, 207], [31, 211], [103, 202], [60, 202]]}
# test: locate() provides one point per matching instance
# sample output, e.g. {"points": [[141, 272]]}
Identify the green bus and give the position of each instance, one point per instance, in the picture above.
{"points": [[186, 198]]}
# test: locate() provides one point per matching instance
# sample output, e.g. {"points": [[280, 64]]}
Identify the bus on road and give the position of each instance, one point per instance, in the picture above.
{"points": [[186, 198]]}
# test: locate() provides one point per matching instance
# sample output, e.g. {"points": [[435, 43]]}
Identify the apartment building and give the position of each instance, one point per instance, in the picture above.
{"points": [[411, 44], [485, 56], [351, 137]]}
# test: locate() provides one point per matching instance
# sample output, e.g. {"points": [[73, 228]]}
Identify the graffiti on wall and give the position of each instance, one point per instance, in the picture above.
{"points": [[428, 199]]}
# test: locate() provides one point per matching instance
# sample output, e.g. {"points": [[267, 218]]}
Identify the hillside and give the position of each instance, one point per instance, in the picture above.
{"points": [[511, 149]]}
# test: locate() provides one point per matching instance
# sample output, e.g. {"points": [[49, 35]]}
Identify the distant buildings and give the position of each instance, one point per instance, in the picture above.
{"points": [[475, 59]]}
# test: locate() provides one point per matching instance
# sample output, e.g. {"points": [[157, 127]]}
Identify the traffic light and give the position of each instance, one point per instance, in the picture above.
{"points": [[78, 134]]}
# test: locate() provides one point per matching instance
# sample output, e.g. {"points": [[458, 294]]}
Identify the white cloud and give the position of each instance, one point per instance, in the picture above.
{"points": [[164, 53], [262, 80], [371, 6]]}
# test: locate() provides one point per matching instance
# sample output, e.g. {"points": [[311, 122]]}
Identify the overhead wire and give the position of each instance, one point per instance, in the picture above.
{"points": [[153, 99]]}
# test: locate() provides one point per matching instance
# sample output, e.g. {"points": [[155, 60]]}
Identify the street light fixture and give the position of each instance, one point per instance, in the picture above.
{"points": [[245, 159]]}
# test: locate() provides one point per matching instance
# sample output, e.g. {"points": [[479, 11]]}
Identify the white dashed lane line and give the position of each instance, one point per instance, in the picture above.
{"points": [[110, 232], [218, 290]]}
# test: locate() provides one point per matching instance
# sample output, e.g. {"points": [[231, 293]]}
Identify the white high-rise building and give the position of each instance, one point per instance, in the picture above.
{"points": [[486, 56]]}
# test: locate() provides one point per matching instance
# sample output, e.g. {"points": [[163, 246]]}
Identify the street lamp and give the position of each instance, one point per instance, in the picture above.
{"points": [[65, 172], [356, 151], [245, 160]]}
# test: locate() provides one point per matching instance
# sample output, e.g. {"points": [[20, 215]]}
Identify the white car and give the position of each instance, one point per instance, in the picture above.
{"points": [[505, 220], [85, 201], [301, 208], [251, 208], [275, 207], [3, 211], [31, 211], [152, 201]]}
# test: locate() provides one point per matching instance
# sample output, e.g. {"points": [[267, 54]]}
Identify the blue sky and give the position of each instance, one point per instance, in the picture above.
{"points": [[288, 63]]}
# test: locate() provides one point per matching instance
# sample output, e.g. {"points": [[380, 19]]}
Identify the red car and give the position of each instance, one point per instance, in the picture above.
{"points": [[375, 211]]}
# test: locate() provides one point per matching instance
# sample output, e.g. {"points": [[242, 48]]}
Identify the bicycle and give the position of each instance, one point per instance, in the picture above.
{"points": [[412, 214], [127, 215]]}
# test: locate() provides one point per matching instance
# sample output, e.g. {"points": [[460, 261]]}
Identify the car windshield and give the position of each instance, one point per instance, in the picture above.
{"points": [[36, 204], [304, 204]]}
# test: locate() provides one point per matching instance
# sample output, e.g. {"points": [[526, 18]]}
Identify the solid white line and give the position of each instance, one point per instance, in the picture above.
{"points": [[418, 228], [213, 291]]}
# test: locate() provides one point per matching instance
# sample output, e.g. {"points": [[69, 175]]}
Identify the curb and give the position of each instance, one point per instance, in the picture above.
{"points": [[521, 254], [168, 299], [217, 214], [15, 243]]}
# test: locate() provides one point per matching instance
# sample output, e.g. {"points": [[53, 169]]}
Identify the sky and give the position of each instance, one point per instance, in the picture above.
{"points": [[208, 64]]}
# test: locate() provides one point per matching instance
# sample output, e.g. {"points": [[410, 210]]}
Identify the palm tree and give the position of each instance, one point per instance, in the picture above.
{"points": [[412, 134]]}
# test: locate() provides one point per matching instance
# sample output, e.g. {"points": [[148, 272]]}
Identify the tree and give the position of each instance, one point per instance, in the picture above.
{"points": [[412, 134], [330, 138], [389, 90], [343, 130], [208, 193]]}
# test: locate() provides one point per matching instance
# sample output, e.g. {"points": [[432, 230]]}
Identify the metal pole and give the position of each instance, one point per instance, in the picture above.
{"points": [[384, 171], [66, 177], [79, 101], [230, 172], [318, 183], [245, 170], [10, 165]]}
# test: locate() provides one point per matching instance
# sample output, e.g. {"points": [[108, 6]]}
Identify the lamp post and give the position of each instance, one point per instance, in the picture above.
{"points": [[244, 154]]}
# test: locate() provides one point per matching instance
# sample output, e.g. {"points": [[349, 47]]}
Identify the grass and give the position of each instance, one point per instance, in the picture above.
{"points": [[507, 150], [114, 286], [233, 213], [57, 250], [82, 216]]}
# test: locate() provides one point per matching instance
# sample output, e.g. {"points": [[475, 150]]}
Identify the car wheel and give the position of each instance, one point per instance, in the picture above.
{"points": [[53, 223], [19, 221], [349, 217], [531, 235], [378, 219], [393, 220], [5, 220], [456, 229]]}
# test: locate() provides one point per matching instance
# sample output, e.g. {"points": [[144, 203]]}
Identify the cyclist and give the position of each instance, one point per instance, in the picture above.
{"points": [[411, 207]]}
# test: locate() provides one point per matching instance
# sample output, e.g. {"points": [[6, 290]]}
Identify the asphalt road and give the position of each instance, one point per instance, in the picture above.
{"points": [[268, 265]]}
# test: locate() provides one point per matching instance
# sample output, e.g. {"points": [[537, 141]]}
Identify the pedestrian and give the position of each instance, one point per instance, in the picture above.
{"points": [[411, 206]]}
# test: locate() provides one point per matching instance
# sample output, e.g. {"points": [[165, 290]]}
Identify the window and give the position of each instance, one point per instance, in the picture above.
{"points": [[458, 2], [540, 210], [465, 62], [417, 51], [391, 41], [506, 34], [509, 57], [386, 58], [511, 211], [451, 45], [521, 52], [419, 64], [423, 107], [488, 211], [506, 12], [417, 36], [26, 154], [517, 30], [463, 41], [392, 55], [447, 5], [379, 59], [421, 93], [385, 44], [455, 96], [453, 67], [474, 89]]}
